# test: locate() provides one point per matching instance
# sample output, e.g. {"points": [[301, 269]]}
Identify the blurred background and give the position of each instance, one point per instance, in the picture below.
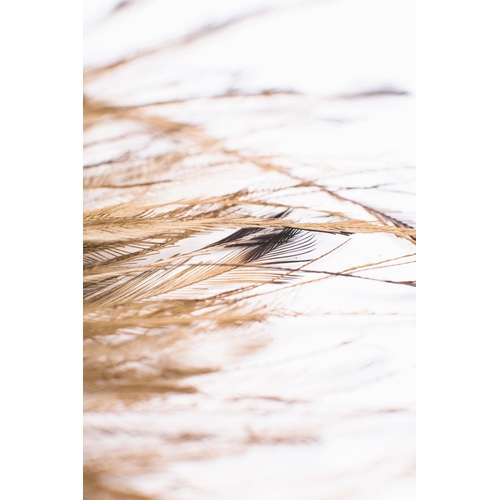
{"points": [[307, 106]]}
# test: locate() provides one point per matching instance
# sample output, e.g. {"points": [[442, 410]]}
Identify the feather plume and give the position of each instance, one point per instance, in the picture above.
{"points": [[199, 234]]}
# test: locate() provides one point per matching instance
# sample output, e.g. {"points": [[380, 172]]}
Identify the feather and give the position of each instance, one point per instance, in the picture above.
{"points": [[235, 303]]}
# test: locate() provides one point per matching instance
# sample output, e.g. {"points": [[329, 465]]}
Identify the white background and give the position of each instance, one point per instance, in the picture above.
{"points": [[457, 134]]}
